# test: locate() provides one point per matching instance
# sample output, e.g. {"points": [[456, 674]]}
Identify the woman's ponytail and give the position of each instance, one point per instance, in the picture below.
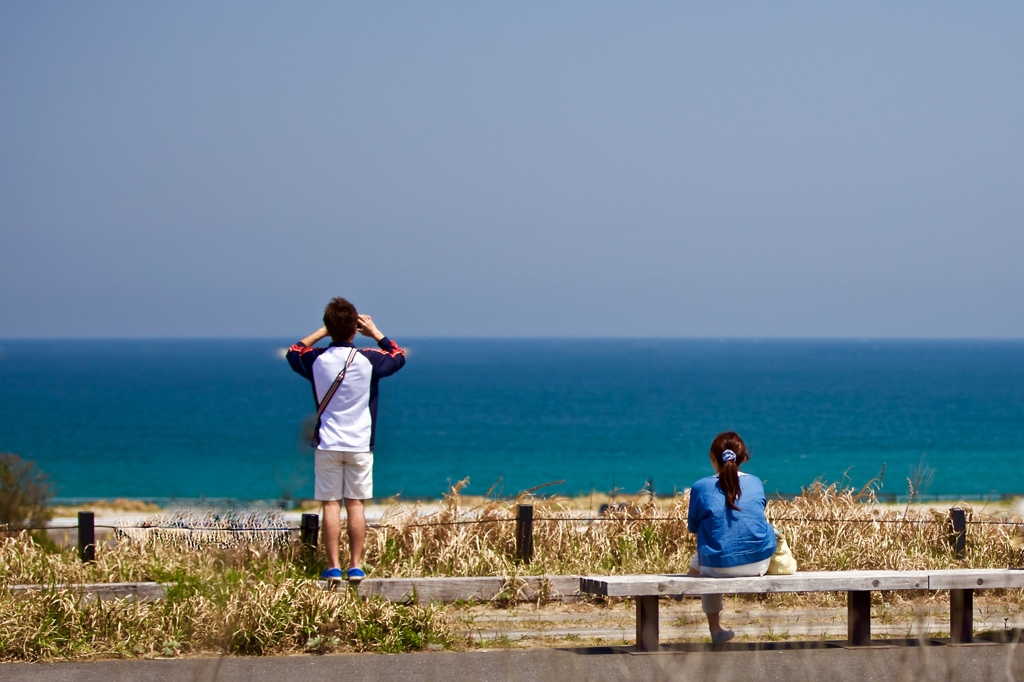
{"points": [[729, 479], [729, 452]]}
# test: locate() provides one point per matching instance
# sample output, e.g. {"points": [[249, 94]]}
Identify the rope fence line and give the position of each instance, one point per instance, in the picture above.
{"points": [[922, 522], [15, 529], [444, 523], [309, 528], [230, 529]]}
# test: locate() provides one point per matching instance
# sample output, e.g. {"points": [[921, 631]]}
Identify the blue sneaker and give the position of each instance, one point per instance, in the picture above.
{"points": [[354, 575], [331, 575]]}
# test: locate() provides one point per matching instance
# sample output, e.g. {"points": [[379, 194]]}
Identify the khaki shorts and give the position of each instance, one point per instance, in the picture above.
{"points": [[712, 603], [340, 475], [744, 571]]}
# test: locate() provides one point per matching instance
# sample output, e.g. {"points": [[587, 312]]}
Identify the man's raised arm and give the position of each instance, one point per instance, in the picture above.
{"points": [[314, 337]]}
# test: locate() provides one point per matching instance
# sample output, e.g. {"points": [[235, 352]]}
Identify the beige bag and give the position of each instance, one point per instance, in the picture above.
{"points": [[783, 562]]}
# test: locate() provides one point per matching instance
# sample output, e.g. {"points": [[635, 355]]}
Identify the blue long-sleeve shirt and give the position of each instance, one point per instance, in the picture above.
{"points": [[726, 537]]}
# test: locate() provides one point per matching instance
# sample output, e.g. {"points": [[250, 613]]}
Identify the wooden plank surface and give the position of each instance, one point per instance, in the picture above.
{"points": [[422, 590], [104, 591], [817, 581], [567, 588], [487, 588], [552, 587], [975, 578]]}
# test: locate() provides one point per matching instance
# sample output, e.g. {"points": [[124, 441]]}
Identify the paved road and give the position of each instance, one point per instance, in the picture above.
{"points": [[988, 662]]}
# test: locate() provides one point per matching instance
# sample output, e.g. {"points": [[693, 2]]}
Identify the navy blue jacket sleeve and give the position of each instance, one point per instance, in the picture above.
{"points": [[387, 360], [300, 359]]}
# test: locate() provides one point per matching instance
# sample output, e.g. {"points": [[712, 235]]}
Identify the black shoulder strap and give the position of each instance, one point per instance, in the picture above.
{"points": [[330, 394]]}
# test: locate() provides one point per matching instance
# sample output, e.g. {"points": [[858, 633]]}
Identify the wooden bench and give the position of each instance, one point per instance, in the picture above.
{"points": [[858, 585]]}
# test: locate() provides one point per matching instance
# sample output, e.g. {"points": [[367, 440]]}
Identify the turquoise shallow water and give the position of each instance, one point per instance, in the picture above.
{"points": [[221, 418]]}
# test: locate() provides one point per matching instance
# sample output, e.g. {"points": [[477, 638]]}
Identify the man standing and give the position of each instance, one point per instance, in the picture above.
{"points": [[347, 423]]}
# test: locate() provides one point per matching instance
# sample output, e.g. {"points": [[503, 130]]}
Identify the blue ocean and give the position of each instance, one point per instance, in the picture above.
{"points": [[186, 419]]}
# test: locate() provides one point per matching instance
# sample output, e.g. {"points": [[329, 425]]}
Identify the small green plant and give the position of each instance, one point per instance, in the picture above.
{"points": [[504, 598], [185, 586], [499, 642], [171, 648], [772, 636], [322, 645]]}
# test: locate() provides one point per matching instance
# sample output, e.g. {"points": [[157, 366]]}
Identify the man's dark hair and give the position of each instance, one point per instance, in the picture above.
{"points": [[341, 319]]}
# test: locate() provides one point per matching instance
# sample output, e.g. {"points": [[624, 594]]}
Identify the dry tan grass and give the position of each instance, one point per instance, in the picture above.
{"points": [[253, 600], [239, 601], [833, 529], [828, 528], [256, 618]]}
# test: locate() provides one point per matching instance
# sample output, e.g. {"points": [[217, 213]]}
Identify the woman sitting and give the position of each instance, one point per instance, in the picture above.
{"points": [[734, 539]]}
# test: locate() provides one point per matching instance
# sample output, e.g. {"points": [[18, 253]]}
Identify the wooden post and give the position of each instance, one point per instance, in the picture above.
{"points": [[647, 623], [959, 536], [961, 616], [87, 536], [858, 617], [524, 533], [309, 530]]}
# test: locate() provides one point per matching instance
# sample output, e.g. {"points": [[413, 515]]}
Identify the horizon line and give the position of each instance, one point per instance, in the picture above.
{"points": [[510, 337]]}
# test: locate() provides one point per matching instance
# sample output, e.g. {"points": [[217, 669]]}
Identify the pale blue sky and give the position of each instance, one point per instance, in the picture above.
{"points": [[525, 169]]}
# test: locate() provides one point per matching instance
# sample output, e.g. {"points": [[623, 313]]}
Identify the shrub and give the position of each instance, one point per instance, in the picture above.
{"points": [[24, 493]]}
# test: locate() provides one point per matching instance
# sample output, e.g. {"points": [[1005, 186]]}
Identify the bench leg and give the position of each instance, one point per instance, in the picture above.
{"points": [[647, 623], [858, 617], [961, 616]]}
